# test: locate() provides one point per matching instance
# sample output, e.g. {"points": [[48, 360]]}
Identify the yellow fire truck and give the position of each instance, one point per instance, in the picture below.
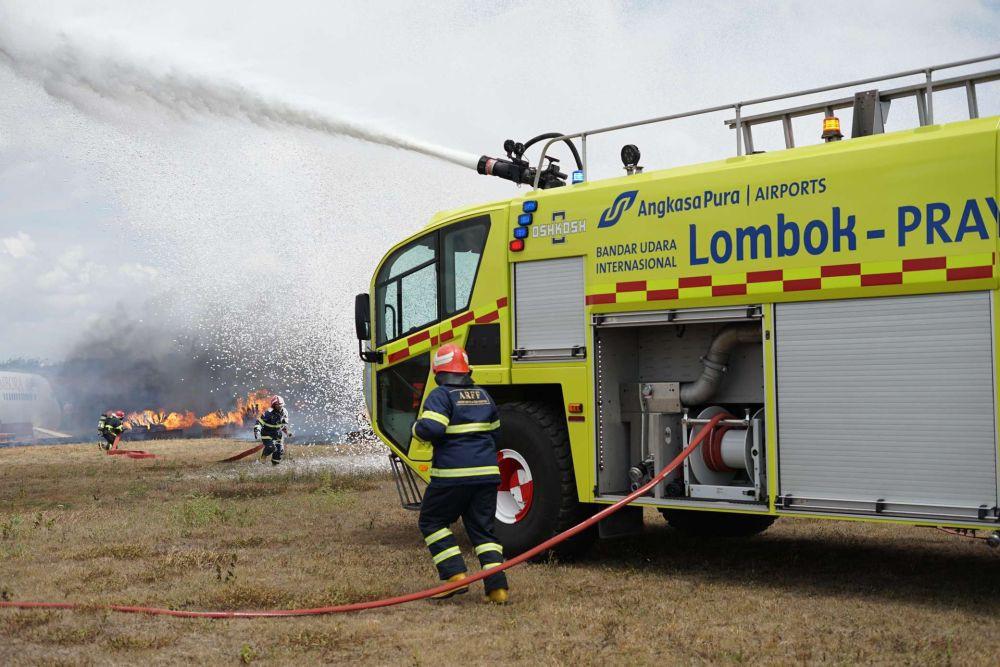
{"points": [[837, 302]]}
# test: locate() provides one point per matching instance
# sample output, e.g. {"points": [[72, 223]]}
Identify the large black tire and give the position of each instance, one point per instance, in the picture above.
{"points": [[717, 524], [537, 432]]}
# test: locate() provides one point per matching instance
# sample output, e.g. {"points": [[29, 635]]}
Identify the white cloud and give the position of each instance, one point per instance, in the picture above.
{"points": [[7, 274], [74, 274], [139, 274], [53, 280], [72, 257], [19, 246]]}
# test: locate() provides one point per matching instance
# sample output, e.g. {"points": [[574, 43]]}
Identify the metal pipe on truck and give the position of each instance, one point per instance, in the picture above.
{"points": [[714, 362]]}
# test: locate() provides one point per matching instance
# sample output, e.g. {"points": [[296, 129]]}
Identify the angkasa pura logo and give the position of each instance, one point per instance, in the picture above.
{"points": [[614, 213]]}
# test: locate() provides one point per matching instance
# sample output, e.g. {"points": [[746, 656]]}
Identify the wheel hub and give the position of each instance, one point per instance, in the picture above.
{"points": [[516, 488]]}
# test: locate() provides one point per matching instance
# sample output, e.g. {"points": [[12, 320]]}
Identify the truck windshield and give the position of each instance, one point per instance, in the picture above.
{"points": [[428, 279]]}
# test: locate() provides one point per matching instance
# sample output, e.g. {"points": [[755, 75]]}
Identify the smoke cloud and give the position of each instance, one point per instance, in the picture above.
{"points": [[133, 364], [128, 364]]}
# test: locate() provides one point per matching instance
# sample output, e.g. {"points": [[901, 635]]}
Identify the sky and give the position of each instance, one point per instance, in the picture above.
{"points": [[256, 234]]}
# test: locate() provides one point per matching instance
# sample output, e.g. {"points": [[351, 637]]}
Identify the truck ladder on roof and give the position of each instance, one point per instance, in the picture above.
{"points": [[870, 107]]}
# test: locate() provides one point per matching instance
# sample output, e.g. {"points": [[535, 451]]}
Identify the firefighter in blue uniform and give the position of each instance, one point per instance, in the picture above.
{"points": [[271, 428], [460, 420]]}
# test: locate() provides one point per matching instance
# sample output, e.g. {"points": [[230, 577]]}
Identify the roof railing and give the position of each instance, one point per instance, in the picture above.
{"points": [[875, 101]]}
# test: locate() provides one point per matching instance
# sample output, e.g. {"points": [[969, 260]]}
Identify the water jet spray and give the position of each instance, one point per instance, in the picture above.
{"points": [[89, 74]]}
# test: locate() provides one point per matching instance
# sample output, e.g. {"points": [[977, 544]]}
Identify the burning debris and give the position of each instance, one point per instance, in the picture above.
{"points": [[156, 423], [171, 381]]}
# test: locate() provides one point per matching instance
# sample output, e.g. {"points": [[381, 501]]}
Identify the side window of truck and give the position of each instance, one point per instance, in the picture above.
{"points": [[419, 302], [406, 290], [429, 279], [462, 248], [388, 300]]}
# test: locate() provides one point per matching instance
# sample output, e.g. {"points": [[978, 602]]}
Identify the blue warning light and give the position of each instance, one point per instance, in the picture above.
{"points": [[577, 176], [524, 219], [521, 233], [529, 206]]}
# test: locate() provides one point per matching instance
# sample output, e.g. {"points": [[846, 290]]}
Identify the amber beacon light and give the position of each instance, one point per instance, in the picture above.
{"points": [[831, 129]]}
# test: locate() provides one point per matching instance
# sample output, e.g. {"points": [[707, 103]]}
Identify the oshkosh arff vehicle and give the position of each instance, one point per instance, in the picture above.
{"points": [[837, 302]]}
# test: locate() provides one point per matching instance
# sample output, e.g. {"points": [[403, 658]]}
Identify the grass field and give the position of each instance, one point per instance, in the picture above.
{"points": [[183, 532]]}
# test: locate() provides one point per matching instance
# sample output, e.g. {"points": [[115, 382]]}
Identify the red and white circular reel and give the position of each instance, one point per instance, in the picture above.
{"points": [[514, 495], [726, 452]]}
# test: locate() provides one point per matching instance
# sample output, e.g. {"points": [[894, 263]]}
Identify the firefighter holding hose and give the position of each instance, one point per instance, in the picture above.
{"points": [[271, 428], [110, 426], [460, 420]]}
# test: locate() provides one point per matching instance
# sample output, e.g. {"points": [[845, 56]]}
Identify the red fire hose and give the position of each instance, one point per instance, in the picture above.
{"points": [[399, 599], [141, 454], [131, 453], [243, 454]]}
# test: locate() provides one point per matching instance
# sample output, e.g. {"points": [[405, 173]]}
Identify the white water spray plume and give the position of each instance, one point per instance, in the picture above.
{"points": [[258, 240], [96, 73]]}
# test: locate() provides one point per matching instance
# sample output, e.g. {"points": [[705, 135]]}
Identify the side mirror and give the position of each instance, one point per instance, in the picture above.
{"points": [[362, 308], [363, 328]]}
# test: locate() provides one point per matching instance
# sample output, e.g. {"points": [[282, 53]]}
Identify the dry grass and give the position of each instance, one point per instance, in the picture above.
{"points": [[182, 532]]}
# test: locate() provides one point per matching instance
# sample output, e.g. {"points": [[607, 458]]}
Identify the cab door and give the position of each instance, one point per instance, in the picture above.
{"points": [[426, 281]]}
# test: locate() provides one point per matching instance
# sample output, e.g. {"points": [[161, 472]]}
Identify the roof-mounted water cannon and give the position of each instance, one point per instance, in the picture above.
{"points": [[515, 168]]}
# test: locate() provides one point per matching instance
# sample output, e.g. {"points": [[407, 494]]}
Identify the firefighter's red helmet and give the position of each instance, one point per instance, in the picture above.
{"points": [[450, 358], [120, 414], [277, 402]]}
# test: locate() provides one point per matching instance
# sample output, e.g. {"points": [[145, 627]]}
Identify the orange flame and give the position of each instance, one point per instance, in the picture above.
{"points": [[246, 409]]}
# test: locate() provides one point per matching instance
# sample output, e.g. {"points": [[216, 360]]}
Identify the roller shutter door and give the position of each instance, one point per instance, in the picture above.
{"points": [[887, 405], [548, 308]]}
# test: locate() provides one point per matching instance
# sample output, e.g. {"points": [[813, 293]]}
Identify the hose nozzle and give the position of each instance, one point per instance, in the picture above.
{"points": [[520, 172]]}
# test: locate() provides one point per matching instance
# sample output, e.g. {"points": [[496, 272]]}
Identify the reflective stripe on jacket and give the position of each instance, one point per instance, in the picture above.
{"points": [[460, 420], [271, 423]]}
